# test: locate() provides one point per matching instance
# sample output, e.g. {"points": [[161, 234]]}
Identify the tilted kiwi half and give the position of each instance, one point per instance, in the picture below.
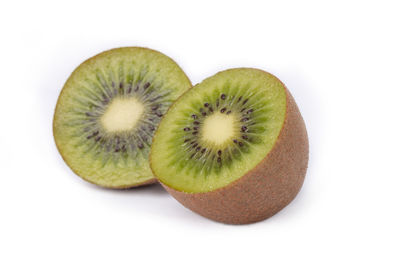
{"points": [[108, 111], [233, 148]]}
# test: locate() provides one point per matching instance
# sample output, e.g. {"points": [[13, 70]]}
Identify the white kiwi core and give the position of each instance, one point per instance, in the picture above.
{"points": [[218, 128], [122, 114]]}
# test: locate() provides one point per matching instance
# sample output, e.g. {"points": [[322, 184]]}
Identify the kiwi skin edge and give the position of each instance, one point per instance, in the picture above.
{"points": [[267, 188]]}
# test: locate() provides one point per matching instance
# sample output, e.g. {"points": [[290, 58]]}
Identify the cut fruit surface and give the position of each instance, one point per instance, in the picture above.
{"points": [[234, 148], [219, 130], [108, 111], [122, 114]]}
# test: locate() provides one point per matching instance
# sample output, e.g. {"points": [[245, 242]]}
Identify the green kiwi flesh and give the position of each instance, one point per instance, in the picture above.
{"points": [[234, 148], [108, 111], [219, 130]]}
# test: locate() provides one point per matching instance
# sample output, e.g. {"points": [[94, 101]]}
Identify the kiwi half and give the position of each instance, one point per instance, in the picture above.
{"points": [[234, 148], [108, 111]]}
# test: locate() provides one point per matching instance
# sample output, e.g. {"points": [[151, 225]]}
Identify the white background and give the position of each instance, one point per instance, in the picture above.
{"points": [[341, 61]]}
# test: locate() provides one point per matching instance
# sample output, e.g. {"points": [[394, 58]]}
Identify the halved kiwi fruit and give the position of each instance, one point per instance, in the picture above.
{"points": [[108, 111], [234, 148]]}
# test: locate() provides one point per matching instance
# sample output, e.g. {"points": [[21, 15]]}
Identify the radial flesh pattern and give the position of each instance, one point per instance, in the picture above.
{"points": [[108, 111], [219, 130]]}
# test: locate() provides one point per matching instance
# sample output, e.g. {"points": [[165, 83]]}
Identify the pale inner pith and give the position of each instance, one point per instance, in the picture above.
{"points": [[218, 128], [122, 114]]}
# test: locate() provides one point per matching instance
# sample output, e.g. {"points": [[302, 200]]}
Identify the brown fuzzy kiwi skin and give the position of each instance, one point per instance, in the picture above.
{"points": [[144, 183], [267, 188]]}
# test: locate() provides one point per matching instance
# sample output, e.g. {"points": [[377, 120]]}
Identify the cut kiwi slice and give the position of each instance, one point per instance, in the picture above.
{"points": [[108, 111], [233, 148], [219, 130]]}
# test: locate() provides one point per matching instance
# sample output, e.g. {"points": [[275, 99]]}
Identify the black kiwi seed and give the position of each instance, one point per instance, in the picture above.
{"points": [[245, 101], [228, 112], [203, 113], [93, 135], [250, 111], [186, 140], [186, 129], [242, 110], [198, 148], [97, 138], [244, 119], [235, 141], [159, 114], [154, 108], [240, 143], [223, 110], [203, 150], [195, 128], [121, 85], [244, 128], [219, 152], [195, 145], [223, 96], [245, 137], [196, 123], [195, 133], [240, 98], [140, 146], [211, 109], [194, 116], [206, 104], [146, 85]]}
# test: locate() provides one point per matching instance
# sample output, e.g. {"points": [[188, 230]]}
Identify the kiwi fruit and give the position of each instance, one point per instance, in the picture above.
{"points": [[233, 148], [108, 111]]}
